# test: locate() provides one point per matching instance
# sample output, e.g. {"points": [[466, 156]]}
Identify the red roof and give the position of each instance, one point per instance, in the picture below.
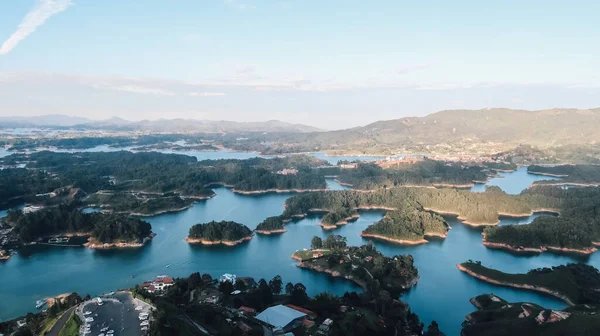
{"points": [[308, 323], [165, 280], [248, 309], [302, 310]]}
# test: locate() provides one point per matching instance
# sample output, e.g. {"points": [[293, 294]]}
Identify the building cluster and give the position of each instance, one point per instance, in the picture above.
{"points": [[158, 285]]}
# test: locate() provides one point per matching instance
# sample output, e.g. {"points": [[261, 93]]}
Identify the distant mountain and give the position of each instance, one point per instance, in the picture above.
{"points": [[43, 120], [461, 128], [161, 125]]}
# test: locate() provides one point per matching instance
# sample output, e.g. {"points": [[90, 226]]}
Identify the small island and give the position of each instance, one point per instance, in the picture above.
{"points": [[495, 316], [363, 265], [271, 225], [214, 233], [407, 226], [572, 283]]}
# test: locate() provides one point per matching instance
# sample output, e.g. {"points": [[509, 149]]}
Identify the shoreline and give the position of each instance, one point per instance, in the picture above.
{"points": [[541, 249], [343, 221], [508, 284], [217, 242], [566, 184], [500, 214], [546, 174], [269, 232], [156, 213], [93, 244], [331, 273], [279, 191], [394, 240]]}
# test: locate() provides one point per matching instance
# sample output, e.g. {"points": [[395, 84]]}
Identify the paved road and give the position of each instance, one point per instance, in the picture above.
{"points": [[61, 322]]}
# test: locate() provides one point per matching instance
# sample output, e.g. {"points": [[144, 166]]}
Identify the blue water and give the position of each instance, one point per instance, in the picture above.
{"points": [[442, 293], [513, 182]]}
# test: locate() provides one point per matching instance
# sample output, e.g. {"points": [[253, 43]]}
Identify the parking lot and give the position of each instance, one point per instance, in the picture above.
{"points": [[117, 315]]}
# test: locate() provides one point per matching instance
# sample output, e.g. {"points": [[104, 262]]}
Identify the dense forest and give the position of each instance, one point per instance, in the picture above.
{"points": [[138, 203], [20, 185], [578, 225], [427, 173], [219, 231], [67, 218], [365, 265], [569, 173], [151, 173], [408, 224], [273, 223], [578, 282]]}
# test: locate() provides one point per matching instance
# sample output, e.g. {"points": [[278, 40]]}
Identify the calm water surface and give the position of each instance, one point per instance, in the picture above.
{"points": [[442, 294]]}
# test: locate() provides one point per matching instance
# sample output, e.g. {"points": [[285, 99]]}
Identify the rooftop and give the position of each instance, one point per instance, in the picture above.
{"points": [[279, 316]]}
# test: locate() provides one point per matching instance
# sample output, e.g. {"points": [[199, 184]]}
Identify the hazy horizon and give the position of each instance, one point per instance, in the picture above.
{"points": [[330, 65]]}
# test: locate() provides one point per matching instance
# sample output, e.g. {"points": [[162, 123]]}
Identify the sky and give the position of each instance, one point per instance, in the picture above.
{"points": [[331, 64]]}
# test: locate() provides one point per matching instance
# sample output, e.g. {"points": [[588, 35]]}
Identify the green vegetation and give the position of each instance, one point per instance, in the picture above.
{"points": [[526, 319], [68, 219], [155, 176], [502, 166], [364, 265], [577, 282], [353, 314], [273, 223], [584, 174], [426, 173], [219, 231], [139, 203], [577, 227], [71, 328], [408, 224]]}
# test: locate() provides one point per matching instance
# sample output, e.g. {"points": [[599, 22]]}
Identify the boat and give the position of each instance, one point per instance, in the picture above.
{"points": [[40, 303], [168, 266]]}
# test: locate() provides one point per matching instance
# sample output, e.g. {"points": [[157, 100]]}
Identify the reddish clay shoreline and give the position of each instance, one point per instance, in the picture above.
{"points": [[393, 240], [217, 242], [268, 232], [507, 284], [541, 249], [93, 244], [503, 214]]}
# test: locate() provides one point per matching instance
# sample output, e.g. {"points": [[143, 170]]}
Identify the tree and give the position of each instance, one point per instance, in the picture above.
{"points": [[207, 278], [240, 285], [316, 243], [335, 242], [289, 288], [433, 330], [275, 285], [226, 287], [299, 296]]}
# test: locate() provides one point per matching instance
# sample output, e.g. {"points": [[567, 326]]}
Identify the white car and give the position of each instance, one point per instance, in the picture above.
{"points": [[144, 328], [139, 308], [87, 313], [103, 329], [145, 323], [89, 319], [110, 332], [100, 334]]}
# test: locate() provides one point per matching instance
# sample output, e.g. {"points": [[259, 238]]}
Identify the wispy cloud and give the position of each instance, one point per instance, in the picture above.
{"points": [[207, 94], [35, 18]]}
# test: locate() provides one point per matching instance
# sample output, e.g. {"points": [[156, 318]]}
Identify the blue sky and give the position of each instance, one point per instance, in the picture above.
{"points": [[326, 63]]}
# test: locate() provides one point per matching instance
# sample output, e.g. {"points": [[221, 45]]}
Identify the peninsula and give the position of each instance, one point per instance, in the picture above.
{"points": [[572, 283], [363, 265], [214, 233], [271, 225]]}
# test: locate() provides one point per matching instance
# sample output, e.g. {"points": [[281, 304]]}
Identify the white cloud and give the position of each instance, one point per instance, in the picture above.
{"points": [[207, 94], [35, 18], [410, 68], [142, 90]]}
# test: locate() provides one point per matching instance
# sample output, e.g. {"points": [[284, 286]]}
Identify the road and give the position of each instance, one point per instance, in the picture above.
{"points": [[61, 322]]}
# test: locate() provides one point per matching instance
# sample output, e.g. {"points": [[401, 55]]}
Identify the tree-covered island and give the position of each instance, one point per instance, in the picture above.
{"points": [[103, 230], [363, 265], [271, 225], [224, 232], [574, 175]]}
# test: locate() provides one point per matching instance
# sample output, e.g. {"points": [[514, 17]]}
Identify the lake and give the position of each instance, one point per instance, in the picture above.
{"points": [[442, 293]]}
